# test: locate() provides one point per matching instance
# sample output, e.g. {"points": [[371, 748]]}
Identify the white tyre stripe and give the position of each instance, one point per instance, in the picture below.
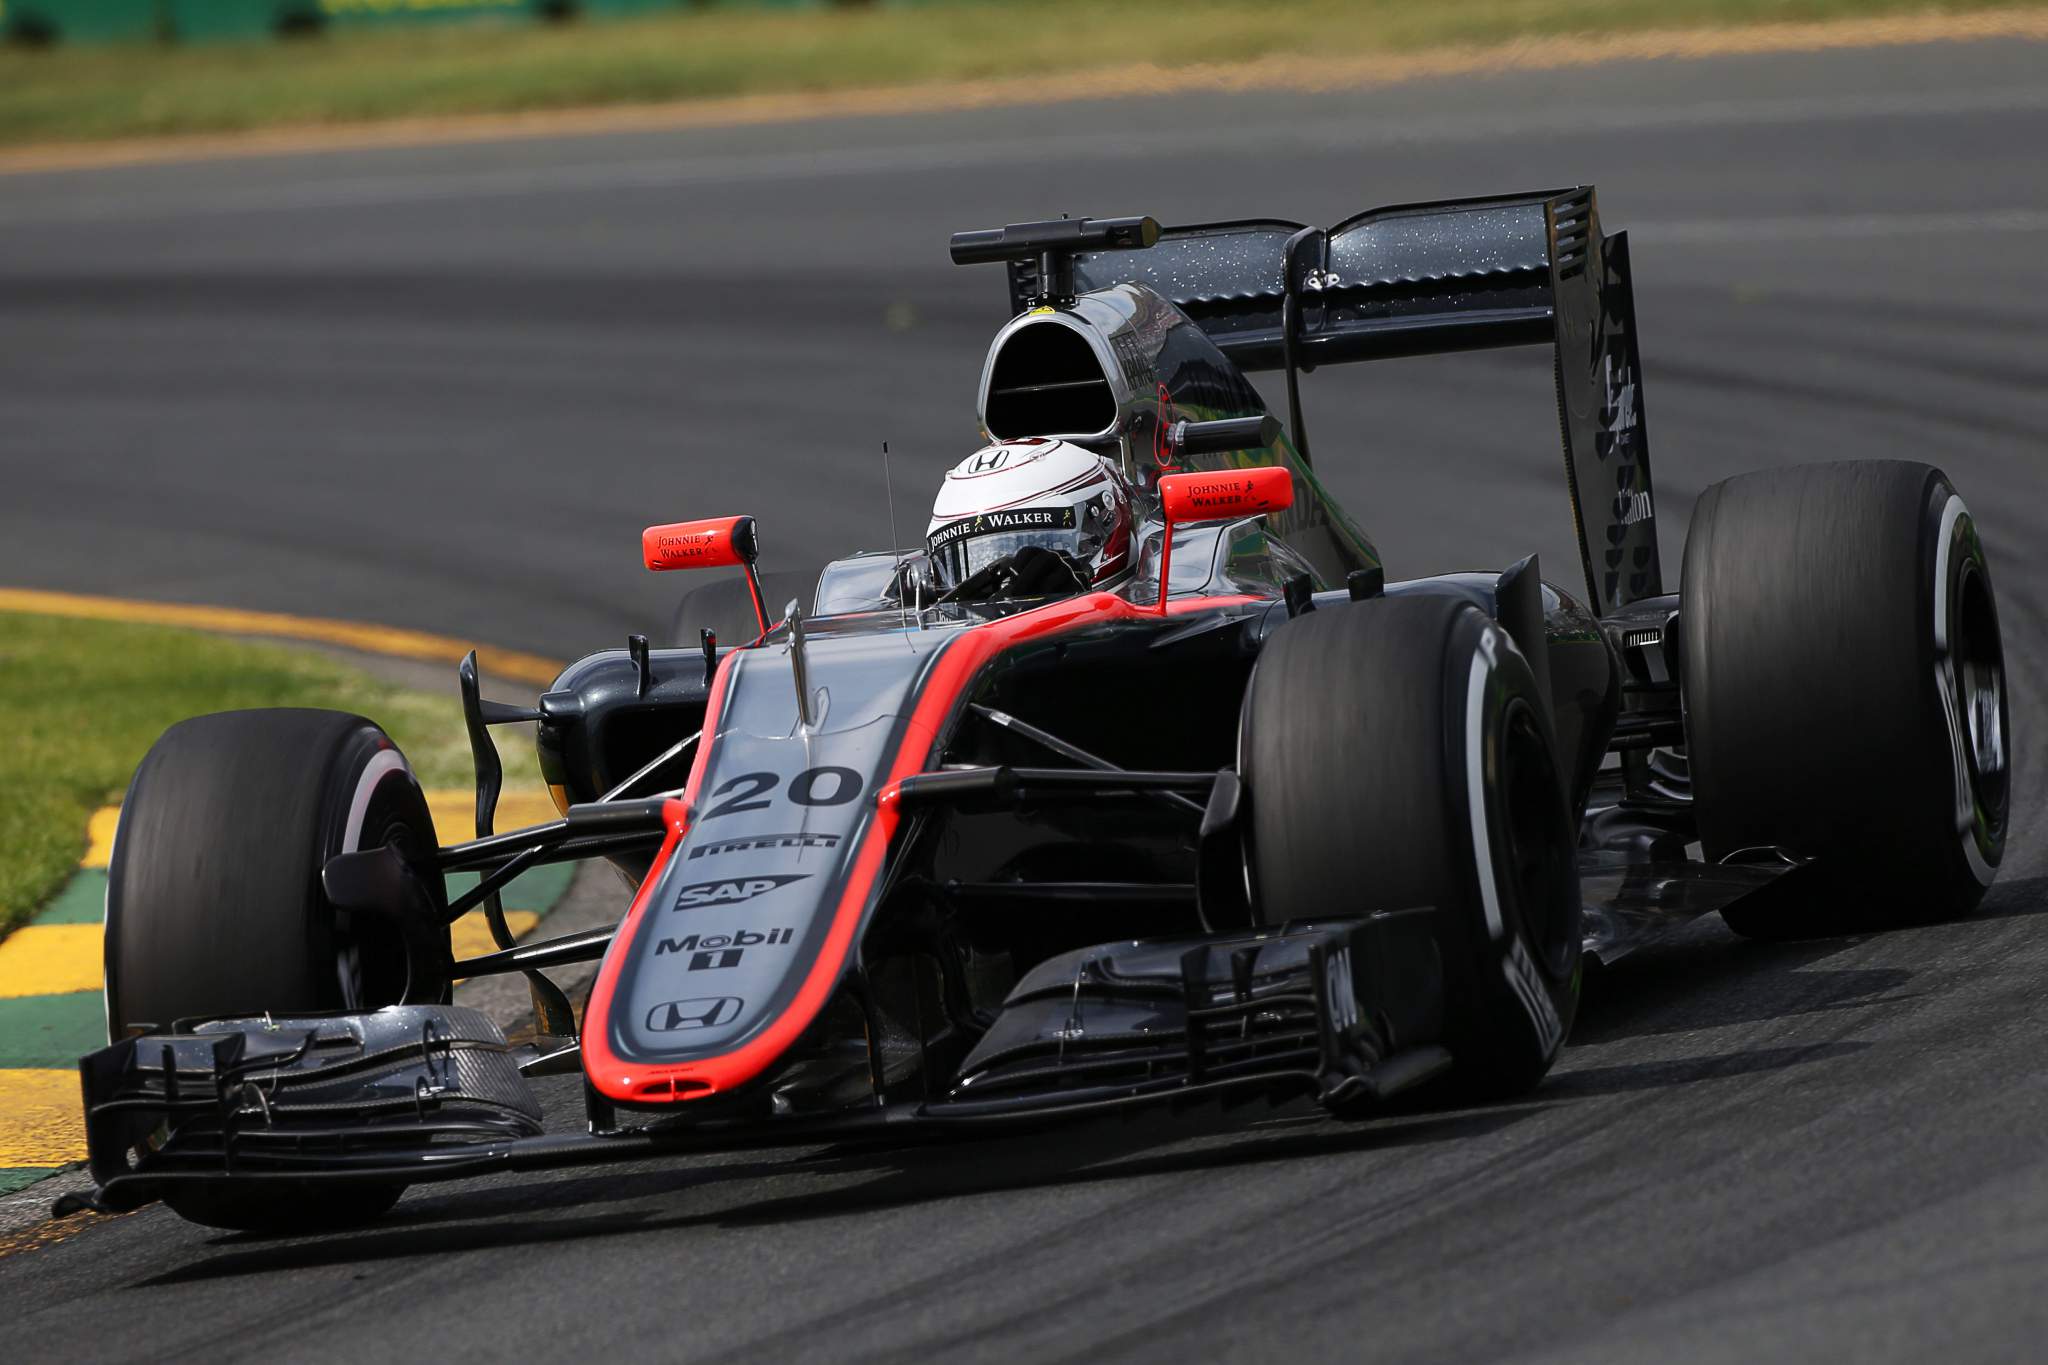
{"points": [[1475, 783], [383, 762]]}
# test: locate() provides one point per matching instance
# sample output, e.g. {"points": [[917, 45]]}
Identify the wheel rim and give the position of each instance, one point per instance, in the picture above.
{"points": [[371, 958]]}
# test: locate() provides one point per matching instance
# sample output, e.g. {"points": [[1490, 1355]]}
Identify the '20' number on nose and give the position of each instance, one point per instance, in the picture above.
{"points": [[811, 787]]}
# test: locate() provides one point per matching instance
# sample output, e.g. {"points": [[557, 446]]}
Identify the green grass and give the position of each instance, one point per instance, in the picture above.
{"points": [[84, 700], [83, 93]]}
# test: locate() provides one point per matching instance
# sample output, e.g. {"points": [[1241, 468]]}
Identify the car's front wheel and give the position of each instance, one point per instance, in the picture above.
{"points": [[215, 905], [1396, 754]]}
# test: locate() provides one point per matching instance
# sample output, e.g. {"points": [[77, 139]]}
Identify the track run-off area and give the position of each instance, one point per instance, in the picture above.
{"points": [[441, 388]]}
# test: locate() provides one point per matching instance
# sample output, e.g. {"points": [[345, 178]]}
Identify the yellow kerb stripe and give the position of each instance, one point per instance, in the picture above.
{"points": [[471, 935], [50, 959], [373, 639], [44, 1118], [454, 812], [57, 959], [99, 836]]}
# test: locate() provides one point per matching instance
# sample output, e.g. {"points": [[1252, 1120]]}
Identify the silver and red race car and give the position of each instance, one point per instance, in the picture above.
{"points": [[1138, 782]]}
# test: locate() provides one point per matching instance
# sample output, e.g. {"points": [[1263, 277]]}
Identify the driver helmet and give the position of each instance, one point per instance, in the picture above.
{"points": [[1030, 492]]}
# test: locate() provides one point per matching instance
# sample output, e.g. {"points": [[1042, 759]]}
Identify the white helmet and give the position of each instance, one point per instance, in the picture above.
{"points": [[1033, 492]]}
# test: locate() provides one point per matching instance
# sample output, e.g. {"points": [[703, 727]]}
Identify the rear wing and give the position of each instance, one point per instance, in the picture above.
{"points": [[1418, 279]]}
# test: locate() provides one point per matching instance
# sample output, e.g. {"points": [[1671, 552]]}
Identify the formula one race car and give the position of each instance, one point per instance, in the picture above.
{"points": [[1138, 782]]}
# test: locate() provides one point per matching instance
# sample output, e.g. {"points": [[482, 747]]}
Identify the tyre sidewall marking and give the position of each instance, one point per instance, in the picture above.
{"points": [[1247, 855], [1529, 988], [1969, 827], [1518, 968]]}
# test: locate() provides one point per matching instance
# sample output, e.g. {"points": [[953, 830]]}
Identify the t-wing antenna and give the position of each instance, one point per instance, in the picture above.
{"points": [[1053, 245]]}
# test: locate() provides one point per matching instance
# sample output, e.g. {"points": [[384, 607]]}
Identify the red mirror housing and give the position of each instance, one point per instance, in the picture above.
{"points": [[709, 544], [1223, 495]]}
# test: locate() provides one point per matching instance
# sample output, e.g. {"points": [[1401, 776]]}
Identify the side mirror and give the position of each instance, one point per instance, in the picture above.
{"points": [[1220, 495], [716, 543], [1225, 495], [712, 544]]}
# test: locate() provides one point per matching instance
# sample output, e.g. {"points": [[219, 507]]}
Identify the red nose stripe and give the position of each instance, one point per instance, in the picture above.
{"points": [[610, 1076]]}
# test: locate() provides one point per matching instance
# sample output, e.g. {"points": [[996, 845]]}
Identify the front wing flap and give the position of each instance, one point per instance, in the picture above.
{"points": [[1329, 1005], [291, 1096]]}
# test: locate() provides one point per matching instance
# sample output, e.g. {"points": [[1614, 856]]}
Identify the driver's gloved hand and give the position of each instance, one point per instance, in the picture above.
{"points": [[1036, 571], [913, 586]]}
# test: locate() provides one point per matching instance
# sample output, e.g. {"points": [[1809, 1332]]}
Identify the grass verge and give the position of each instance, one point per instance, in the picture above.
{"points": [[84, 700], [69, 94]]}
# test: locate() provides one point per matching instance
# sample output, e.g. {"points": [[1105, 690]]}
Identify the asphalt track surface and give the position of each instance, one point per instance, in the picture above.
{"points": [[444, 388]]}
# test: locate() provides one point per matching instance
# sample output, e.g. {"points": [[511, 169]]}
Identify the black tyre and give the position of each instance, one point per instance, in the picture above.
{"points": [[215, 907], [1396, 754], [1844, 690], [725, 608]]}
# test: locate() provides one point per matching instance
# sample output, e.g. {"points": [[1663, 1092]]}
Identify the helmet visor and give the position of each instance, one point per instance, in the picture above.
{"points": [[962, 559], [964, 547]]}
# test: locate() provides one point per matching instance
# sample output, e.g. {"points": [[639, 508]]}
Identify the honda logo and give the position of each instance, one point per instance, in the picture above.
{"points": [[677, 1015], [988, 461]]}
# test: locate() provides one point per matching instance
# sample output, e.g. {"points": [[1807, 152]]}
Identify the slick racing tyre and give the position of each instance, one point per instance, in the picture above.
{"points": [[726, 608], [1844, 692], [215, 907], [1396, 754]]}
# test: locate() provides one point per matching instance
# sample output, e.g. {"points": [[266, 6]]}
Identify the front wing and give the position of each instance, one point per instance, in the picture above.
{"points": [[1345, 1011]]}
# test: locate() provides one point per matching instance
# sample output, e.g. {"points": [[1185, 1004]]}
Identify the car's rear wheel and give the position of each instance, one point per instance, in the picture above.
{"points": [[1844, 689], [215, 905], [1396, 754]]}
